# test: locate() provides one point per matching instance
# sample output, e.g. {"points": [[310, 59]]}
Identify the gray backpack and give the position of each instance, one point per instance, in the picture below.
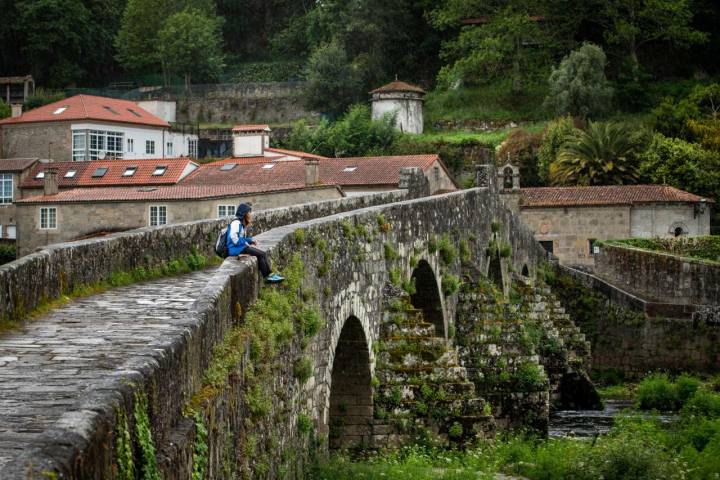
{"points": [[221, 248]]}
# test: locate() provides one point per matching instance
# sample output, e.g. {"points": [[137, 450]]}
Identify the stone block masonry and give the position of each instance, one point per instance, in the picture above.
{"points": [[260, 413]]}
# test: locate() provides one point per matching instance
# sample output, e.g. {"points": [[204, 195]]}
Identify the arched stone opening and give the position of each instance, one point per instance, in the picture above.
{"points": [[351, 405], [427, 296], [495, 273], [525, 271], [508, 175]]}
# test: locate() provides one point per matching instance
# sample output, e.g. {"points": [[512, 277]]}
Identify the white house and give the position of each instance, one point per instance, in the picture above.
{"points": [[403, 100], [86, 127]]}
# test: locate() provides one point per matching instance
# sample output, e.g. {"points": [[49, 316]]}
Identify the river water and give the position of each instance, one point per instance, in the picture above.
{"points": [[590, 423]]}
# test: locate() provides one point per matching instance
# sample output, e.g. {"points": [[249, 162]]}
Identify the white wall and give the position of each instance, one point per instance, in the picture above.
{"points": [[660, 220], [250, 145], [140, 134], [409, 111], [160, 108]]}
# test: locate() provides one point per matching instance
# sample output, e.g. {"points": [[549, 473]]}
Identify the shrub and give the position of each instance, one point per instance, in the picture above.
{"points": [[7, 253], [448, 253], [305, 424], [42, 97], [390, 252], [450, 284], [5, 110], [303, 369], [556, 134], [656, 392], [702, 403], [455, 431], [685, 387]]}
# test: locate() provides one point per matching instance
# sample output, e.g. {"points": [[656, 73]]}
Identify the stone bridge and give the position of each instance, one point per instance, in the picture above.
{"points": [[212, 375]]}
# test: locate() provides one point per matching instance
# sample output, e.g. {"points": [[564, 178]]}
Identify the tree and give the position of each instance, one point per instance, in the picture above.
{"points": [[604, 154], [556, 134], [632, 24], [332, 81], [189, 44], [672, 161], [497, 49], [5, 110], [578, 87]]}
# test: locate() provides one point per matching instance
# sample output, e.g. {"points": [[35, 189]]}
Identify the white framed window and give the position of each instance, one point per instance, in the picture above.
{"points": [[48, 218], [169, 148], [11, 232], [1, 231], [130, 171], [79, 146], [158, 215], [226, 210], [6, 188], [70, 174], [150, 147], [96, 144], [130, 145], [159, 170], [193, 148]]}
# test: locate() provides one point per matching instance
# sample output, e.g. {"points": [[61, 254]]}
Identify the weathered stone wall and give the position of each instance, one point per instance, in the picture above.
{"points": [[41, 140], [78, 220], [347, 257], [240, 103], [634, 336], [57, 269], [660, 276], [571, 228]]}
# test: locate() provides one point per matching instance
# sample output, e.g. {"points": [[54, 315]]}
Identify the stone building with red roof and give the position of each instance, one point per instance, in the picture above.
{"points": [[404, 101], [568, 220], [87, 127]]}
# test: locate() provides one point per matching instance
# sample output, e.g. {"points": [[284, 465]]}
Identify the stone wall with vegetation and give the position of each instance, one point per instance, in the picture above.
{"points": [[660, 276], [631, 336], [63, 269], [248, 390]]}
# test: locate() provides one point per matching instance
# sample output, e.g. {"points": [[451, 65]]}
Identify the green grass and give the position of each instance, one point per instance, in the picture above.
{"points": [[495, 102], [704, 248]]}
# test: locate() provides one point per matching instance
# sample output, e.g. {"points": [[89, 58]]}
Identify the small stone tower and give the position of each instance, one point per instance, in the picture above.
{"points": [[403, 99], [508, 184]]}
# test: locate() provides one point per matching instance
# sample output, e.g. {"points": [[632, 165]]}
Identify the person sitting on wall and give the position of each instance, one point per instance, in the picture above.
{"points": [[239, 244]]}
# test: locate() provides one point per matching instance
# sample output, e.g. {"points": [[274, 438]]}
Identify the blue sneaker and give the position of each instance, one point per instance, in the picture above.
{"points": [[274, 278]]}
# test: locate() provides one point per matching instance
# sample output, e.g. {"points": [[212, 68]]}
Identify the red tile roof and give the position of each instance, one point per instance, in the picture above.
{"points": [[89, 107], [375, 171], [251, 128], [603, 195], [16, 164], [114, 175], [294, 153], [173, 192], [398, 86]]}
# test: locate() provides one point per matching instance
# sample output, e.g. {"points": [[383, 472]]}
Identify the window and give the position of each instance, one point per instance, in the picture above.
{"points": [[193, 148], [79, 146], [40, 175], [70, 174], [99, 172], [436, 173], [678, 231], [129, 171], [169, 148], [349, 169], [158, 215], [96, 144], [48, 218], [592, 248], [226, 210], [134, 112], [11, 232], [130, 145], [160, 170], [547, 245], [6, 188], [111, 110], [228, 166], [268, 166], [59, 110], [508, 179], [150, 147]]}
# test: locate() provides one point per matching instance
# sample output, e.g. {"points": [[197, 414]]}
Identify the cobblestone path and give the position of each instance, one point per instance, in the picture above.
{"points": [[56, 362]]}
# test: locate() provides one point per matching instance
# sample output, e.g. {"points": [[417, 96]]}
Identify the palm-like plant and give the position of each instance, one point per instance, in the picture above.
{"points": [[603, 154]]}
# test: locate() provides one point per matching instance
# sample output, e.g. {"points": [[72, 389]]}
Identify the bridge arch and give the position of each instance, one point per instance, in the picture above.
{"points": [[427, 297], [351, 401]]}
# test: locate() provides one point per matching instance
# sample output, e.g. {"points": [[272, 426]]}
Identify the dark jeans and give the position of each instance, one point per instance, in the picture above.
{"points": [[262, 259]]}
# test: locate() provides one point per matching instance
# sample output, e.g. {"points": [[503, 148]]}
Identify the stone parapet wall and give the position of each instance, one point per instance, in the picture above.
{"points": [[57, 269], [634, 336], [660, 276]]}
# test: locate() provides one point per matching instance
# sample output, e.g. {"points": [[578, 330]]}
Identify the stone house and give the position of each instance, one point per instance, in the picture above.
{"points": [[568, 220], [86, 127], [13, 172]]}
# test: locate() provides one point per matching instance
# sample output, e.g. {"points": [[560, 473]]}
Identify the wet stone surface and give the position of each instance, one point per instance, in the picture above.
{"points": [[54, 364]]}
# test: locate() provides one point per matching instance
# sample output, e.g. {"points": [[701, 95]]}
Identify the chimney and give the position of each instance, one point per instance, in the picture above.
{"points": [[50, 185], [312, 171], [16, 110]]}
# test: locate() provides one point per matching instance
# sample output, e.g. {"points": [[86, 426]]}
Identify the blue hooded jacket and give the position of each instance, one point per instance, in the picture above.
{"points": [[236, 248]]}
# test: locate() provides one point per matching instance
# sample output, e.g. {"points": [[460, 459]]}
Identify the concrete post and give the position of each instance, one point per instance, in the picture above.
{"points": [[50, 183], [312, 171]]}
